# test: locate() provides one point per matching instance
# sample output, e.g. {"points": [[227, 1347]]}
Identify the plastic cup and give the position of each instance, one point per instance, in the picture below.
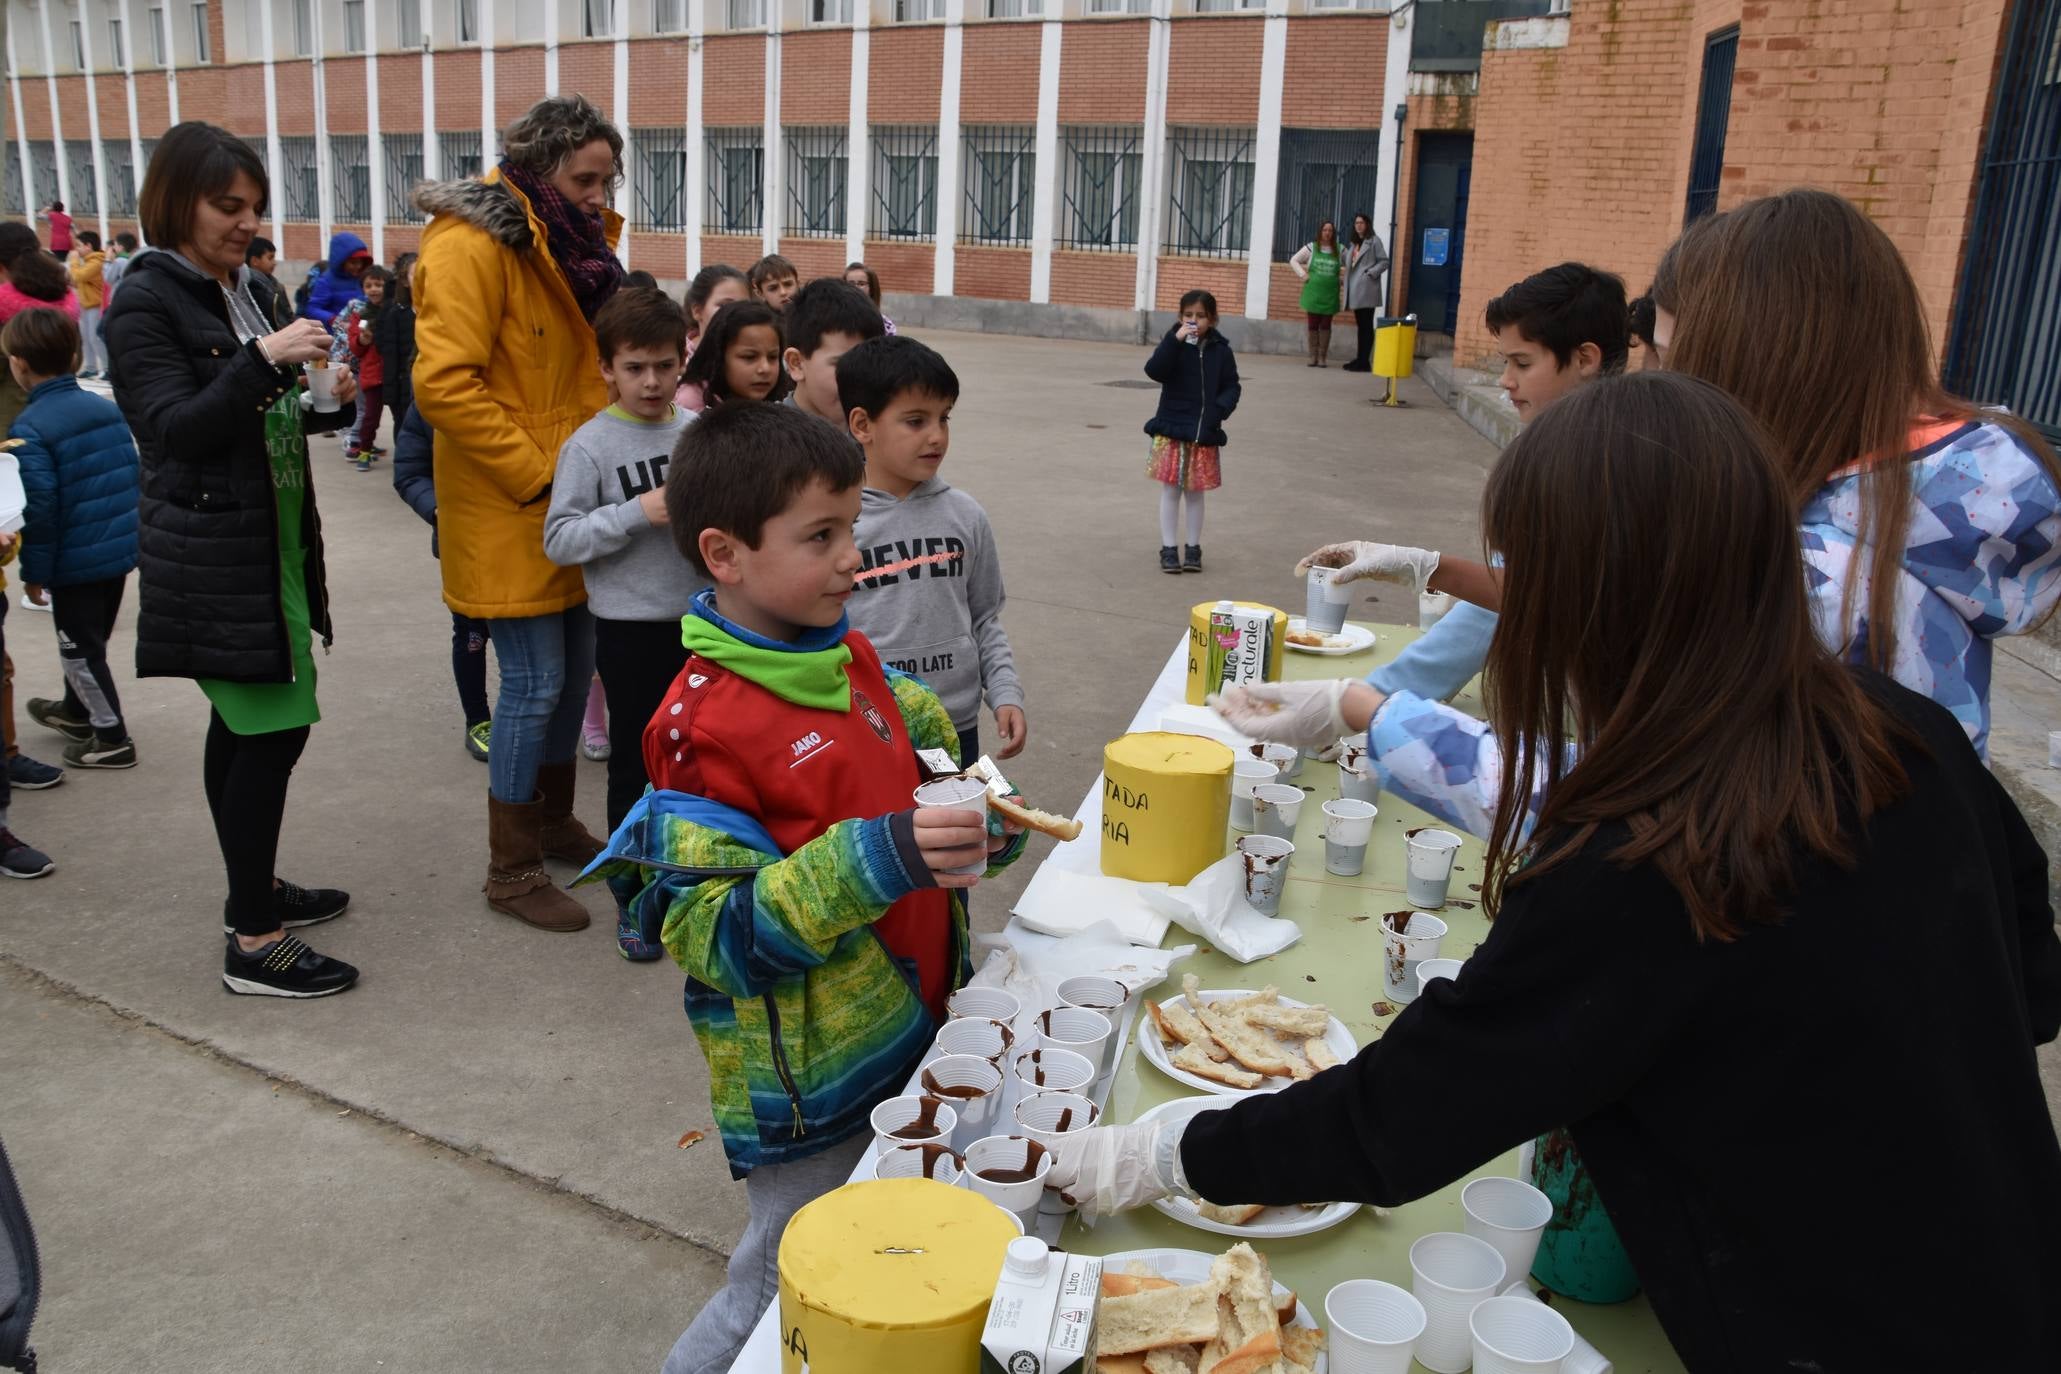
{"points": [[1428, 970], [1285, 757], [1096, 993], [1404, 949], [1510, 1215], [898, 1112], [322, 387], [1325, 602], [930, 1161], [959, 794], [1265, 859], [1358, 781], [1276, 807], [1246, 774], [1348, 826], [1049, 1069], [1430, 854], [1047, 1117], [1089, 1034], [991, 1003], [1584, 1358], [974, 1088], [1451, 1274], [989, 1040], [1432, 608], [1512, 1336], [1374, 1327], [1009, 1154]]}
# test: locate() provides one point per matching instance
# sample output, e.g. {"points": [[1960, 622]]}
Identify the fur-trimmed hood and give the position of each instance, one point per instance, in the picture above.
{"points": [[492, 205]]}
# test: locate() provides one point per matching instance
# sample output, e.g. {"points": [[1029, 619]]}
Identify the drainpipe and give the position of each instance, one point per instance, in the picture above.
{"points": [[1395, 205]]}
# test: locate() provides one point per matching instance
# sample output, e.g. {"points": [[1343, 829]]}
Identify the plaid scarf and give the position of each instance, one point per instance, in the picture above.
{"points": [[575, 239]]}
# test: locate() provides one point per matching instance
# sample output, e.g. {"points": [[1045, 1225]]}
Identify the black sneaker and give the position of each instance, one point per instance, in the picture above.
{"points": [[99, 753], [52, 715], [32, 775], [1169, 559], [19, 860], [284, 968], [295, 906], [1192, 560]]}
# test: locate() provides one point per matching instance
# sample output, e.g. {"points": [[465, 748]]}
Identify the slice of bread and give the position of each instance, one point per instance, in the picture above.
{"points": [[1123, 1285], [1320, 1053], [1248, 1338], [1202, 1066], [1284, 1312], [1253, 1049], [1178, 1026], [1236, 1215], [1030, 818], [1164, 1316], [1106, 1363], [1294, 1022], [1173, 1359], [1300, 1347]]}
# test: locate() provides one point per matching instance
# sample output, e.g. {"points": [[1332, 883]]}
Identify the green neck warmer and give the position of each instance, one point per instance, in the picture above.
{"points": [[814, 678]]}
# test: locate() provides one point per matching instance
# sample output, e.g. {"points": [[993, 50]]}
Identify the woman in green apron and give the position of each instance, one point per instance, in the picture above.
{"points": [[1318, 265], [232, 590]]}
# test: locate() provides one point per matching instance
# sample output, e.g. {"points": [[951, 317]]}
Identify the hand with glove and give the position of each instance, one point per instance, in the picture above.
{"points": [[1356, 559], [1114, 1168], [1305, 714]]}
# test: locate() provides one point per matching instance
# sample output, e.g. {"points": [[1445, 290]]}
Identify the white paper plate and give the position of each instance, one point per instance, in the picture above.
{"points": [[1158, 1055], [1192, 1266], [1276, 1223], [1353, 639]]}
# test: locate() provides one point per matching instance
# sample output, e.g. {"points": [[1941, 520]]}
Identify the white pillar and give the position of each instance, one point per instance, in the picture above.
{"points": [[620, 108], [64, 176], [942, 275], [273, 157], [489, 135], [432, 164], [773, 211], [858, 143], [552, 18], [1395, 90], [1045, 195], [1266, 161], [325, 167], [375, 141], [697, 151], [93, 126], [129, 95], [1152, 160], [171, 70], [21, 128]]}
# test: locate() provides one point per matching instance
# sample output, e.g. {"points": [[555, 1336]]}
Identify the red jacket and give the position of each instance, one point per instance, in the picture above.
{"points": [[371, 367], [797, 770]]}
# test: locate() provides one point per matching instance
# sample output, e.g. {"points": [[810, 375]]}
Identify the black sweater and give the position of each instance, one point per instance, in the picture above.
{"points": [[1824, 1144]]}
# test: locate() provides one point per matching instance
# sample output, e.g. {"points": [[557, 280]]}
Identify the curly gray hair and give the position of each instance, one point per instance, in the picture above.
{"points": [[553, 129]]}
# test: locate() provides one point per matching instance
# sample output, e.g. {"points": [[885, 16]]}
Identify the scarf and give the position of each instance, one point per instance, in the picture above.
{"points": [[808, 672], [575, 239]]}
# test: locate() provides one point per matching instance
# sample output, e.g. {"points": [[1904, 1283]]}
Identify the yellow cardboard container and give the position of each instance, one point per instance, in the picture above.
{"points": [[1166, 806], [1199, 683], [889, 1276]]}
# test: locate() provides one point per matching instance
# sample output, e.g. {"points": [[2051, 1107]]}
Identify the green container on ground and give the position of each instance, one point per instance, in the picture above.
{"points": [[1580, 1255]]}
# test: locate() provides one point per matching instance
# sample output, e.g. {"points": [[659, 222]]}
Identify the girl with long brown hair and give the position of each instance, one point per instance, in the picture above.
{"points": [[1704, 952]]}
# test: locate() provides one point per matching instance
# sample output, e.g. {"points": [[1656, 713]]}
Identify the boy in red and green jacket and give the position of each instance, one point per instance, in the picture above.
{"points": [[779, 853]]}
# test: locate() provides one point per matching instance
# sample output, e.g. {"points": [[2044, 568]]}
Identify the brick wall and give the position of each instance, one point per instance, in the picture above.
{"points": [[1102, 72], [998, 82], [518, 83], [909, 267], [588, 68], [295, 82], [739, 250], [902, 75], [658, 81], [813, 258], [153, 106], [1108, 281], [816, 77], [345, 79], [1224, 280], [458, 103], [662, 255], [1334, 72], [1213, 72], [998, 274]]}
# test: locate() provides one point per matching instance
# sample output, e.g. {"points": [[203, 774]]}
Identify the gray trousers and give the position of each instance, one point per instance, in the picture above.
{"points": [[775, 1192]]}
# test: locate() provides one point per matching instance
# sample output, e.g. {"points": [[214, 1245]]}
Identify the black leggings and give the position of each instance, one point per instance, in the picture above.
{"points": [[1364, 317], [469, 667], [638, 661], [246, 777]]}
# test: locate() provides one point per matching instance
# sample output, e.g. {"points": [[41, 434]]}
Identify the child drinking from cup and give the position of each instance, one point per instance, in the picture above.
{"points": [[739, 357], [1198, 390]]}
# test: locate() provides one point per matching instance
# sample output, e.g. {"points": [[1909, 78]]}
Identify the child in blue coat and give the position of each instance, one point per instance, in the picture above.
{"points": [[80, 472]]}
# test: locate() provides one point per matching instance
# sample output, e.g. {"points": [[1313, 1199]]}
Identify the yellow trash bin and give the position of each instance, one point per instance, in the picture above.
{"points": [[1395, 352]]}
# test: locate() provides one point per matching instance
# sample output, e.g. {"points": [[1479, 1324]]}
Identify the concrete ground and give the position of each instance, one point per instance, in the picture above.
{"points": [[470, 1160]]}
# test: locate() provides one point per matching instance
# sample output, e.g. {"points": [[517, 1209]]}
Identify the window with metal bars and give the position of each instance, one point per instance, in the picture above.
{"points": [[830, 12], [298, 180], [458, 153], [818, 162], [918, 11], [121, 177], [350, 178], [904, 182], [658, 186], [1209, 188], [13, 199], [1325, 174], [744, 14], [1713, 111], [403, 153], [43, 160], [736, 160], [998, 168], [668, 16], [1099, 168], [78, 157]]}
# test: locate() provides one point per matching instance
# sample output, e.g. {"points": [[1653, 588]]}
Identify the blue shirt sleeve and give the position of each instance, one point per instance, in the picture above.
{"points": [[1444, 659]]}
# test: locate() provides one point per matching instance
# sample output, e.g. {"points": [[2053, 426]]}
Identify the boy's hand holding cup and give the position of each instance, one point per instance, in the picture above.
{"points": [[954, 843]]}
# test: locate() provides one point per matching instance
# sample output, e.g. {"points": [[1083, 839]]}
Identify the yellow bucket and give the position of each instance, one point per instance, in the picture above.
{"points": [[1395, 347]]}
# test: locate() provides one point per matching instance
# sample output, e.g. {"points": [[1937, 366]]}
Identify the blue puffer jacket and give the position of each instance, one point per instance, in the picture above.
{"points": [[334, 290], [1198, 388], [79, 469]]}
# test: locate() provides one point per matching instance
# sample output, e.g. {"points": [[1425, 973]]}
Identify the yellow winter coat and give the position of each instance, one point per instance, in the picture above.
{"points": [[505, 370], [86, 266]]}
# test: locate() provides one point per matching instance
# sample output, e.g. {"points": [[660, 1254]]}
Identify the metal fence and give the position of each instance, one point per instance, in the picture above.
{"points": [[1325, 174], [350, 182], [13, 200], [658, 179], [458, 153], [736, 181], [298, 180], [904, 182], [78, 157], [1099, 167], [121, 177], [999, 170], [1210, 192], [43, 161], [818, 164], [403, 173]]}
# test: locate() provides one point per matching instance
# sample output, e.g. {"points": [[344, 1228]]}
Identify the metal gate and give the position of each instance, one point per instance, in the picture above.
{"points": [[2005, 347]]}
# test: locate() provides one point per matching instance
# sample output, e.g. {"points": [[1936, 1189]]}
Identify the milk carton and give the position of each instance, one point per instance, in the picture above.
{"points": [[1042, 1317]]}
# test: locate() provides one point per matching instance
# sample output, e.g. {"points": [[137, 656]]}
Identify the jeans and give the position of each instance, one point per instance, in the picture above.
{"points": [[638, 660], [469, 667], [246, 777], [92, 349], [546, 662]]}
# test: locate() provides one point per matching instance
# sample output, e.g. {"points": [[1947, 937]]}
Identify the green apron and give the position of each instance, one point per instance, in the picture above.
{"points": [[259, 708], [1320, 288]]}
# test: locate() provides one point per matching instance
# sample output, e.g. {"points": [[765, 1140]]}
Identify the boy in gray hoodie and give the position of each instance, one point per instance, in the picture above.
{"points": [[929, 592]]}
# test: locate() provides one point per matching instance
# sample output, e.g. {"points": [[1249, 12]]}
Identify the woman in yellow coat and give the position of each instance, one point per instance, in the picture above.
{"points": [[514, 266]]}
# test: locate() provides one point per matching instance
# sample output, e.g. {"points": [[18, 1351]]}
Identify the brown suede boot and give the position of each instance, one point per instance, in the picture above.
{"points": [[563, 837], [1324, 345], [517, 884], [1310, 347]]}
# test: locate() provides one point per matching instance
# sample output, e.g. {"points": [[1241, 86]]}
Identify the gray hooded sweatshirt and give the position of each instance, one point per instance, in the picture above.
{"points": [[597, 524], [939, 619]]}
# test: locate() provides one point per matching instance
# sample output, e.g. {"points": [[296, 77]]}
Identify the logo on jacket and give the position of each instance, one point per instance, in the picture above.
{"points": [[697, 679], [870, 713]]}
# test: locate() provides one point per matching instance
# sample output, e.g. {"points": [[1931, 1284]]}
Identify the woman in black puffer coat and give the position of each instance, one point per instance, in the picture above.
{"points": [[231, 553]]}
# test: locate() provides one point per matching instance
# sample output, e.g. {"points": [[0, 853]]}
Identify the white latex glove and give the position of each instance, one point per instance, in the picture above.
{"points": [[1115, 1168], [1304, 714], [1356, 560]]}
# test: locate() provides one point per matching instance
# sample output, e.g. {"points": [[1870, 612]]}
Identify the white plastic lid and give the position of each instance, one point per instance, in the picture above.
{"points": [[1226, 605], [1025, 1257]]}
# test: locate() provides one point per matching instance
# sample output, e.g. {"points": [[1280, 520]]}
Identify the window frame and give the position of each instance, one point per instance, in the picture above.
{"points": [[353, 12], [203, 45]]}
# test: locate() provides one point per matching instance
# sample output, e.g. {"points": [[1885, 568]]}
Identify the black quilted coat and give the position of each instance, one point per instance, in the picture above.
{"points": [[196, 400]]}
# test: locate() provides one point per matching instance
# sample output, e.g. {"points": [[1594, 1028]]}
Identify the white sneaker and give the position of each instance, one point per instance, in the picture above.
{"points": [[29, 605]]}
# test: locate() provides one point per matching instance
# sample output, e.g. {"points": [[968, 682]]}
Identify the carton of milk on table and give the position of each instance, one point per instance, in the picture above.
{"points": [[1241, 640], [1042, 1317]]}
